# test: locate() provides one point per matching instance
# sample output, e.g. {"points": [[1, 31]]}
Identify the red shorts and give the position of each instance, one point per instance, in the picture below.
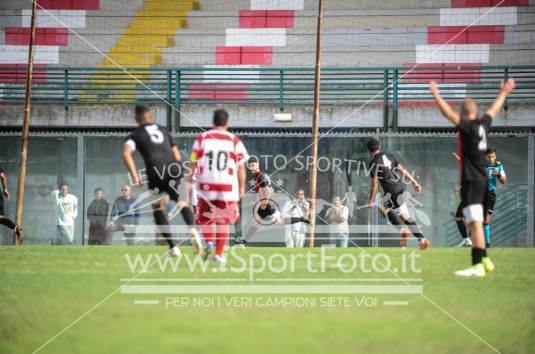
{"points": [[217, 211]]}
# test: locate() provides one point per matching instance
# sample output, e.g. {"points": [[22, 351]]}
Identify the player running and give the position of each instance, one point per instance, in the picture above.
{"points": [[496, 174], [384, 169], [3, 219], [218, 157], [474, 179], [266, 212], [162, 163]]}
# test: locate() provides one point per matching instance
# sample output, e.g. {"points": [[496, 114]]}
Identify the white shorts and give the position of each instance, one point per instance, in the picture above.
{"points": [[402, 210], [473, 212]]}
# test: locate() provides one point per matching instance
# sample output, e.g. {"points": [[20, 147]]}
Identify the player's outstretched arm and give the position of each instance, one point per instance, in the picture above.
{"points": [[443, 105], [130, 164], [505, 89], [410, 177]]}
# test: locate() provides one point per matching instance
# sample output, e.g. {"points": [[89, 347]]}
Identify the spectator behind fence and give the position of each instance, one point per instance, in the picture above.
{"points": [[97, 214], [66, 209], [337, 217], [124, 214], [296, 233]]}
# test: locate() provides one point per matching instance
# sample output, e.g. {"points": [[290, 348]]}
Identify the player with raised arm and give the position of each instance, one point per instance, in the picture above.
{"points": [[4, 195], [266, 212], [218, 159], [385, 170], [496, 174], [164, 171], [473, 132]]}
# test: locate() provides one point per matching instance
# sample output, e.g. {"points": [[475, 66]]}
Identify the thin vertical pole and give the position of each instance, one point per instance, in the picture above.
{"points": [[395, 97], [25, 127], [385, 100], [281, 90], [80, 181], [315, 126], [178, 80], [531, 190]]}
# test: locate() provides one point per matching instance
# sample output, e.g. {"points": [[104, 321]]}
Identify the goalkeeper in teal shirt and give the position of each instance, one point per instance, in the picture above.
{"points": [[496, 174]]}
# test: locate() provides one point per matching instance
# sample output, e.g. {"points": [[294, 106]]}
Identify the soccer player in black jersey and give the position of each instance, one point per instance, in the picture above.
{"points": [[390, 174], [3, 219], [164, 171], [266, 211], [473, 132]]}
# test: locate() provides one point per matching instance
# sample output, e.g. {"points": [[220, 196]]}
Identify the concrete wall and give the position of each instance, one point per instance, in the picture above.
{"points": [[103, 116]]}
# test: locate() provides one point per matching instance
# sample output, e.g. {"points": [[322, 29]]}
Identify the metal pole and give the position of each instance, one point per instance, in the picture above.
{"points": [[25, 127], [531, 191], [177, 100], [315, 126], [80, 180]]}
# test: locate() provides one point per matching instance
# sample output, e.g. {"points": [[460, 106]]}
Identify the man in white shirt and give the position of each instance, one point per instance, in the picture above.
{"points": [[66, 209], [337, 217], [296, 233], [349, 200]]}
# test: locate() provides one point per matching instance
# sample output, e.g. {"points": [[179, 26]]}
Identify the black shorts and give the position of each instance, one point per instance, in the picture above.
{"points": [[268, 211], [2, 212], [169, 186], [393, 202], [165, 178], [491, 201], [474, 199]]}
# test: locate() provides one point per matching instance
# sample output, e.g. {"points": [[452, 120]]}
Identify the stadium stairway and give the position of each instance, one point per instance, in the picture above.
{"points": [[140, 46]]}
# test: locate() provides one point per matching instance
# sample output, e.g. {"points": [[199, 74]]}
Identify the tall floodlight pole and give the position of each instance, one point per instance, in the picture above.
{"points": [[25, 126], [315, 127]]}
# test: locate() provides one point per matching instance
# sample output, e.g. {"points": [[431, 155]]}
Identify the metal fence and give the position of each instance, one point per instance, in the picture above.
{"points": [[389, 87]]}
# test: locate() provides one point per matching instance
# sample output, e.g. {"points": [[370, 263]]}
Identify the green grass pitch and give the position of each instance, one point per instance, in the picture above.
{"points": [[44, 289]]}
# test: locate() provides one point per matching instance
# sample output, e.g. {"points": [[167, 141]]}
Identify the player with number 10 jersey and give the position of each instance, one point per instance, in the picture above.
{"points": [[218, 157]]}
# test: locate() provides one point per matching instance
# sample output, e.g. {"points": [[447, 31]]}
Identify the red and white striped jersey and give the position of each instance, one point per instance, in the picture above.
{"points": [[218, 154]]}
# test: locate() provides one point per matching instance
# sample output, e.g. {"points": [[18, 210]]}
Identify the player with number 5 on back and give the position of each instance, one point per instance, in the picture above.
{"points": [[473, 132], [164, 171]]}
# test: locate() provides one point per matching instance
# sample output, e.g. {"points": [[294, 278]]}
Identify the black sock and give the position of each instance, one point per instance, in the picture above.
{"points": [[161, 220], [462, 228], [187, 214], [478, 254], [7, 222], [415, 229]]}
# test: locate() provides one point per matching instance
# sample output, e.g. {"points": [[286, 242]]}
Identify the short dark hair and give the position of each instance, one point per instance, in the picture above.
{"points": [[63, 184], [98, 189], [491, 150], [373, 145], [252, 159], [220, 118], [141, 110]]}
